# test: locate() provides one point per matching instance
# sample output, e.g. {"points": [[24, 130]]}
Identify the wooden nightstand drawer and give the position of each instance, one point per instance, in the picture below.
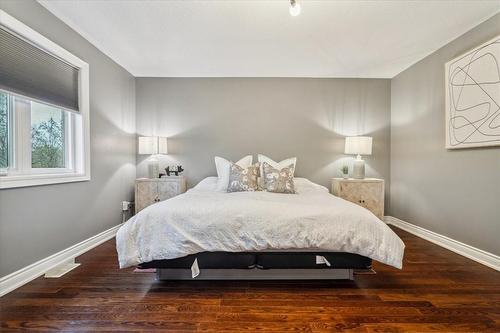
{"points": [[368, 193], [148, 191]]}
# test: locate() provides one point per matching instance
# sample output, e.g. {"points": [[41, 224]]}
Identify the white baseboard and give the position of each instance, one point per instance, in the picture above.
{"points": [[480, 256], [61, 269], [31, 272]]}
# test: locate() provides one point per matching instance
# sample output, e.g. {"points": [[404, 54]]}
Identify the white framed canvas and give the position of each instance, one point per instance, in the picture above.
{"points": [[473, 97]]}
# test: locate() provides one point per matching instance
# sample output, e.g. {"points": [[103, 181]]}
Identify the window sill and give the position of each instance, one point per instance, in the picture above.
{"points": [[40, 179]]}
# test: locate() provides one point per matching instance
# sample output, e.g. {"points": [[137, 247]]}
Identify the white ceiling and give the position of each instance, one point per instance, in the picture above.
{"points": [[252, 38]]}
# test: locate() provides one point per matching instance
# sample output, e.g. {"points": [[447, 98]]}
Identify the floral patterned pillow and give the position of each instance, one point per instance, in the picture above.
{"points": [[276, 180], [243, 179]]}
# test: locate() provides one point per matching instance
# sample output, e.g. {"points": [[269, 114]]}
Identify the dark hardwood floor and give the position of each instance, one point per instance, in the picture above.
{"points": [[437, 290]]}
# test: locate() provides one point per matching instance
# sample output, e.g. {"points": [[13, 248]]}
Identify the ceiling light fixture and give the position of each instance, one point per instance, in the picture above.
{"points": [[294, 8]]}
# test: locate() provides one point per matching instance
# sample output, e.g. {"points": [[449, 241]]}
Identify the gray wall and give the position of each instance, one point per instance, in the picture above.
{"points": [[36, 222], [232, 117], [452, 192]]}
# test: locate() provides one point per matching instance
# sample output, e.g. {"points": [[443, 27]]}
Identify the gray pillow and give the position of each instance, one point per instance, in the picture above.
{"points": [[276, 180], [243, 179]]}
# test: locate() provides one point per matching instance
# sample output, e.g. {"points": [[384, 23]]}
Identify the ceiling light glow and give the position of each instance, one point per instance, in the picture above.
{"points": [[294, 8]]}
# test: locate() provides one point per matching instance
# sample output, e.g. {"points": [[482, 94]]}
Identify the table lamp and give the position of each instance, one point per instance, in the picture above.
{"points": [[358, 145], [152, 145]]}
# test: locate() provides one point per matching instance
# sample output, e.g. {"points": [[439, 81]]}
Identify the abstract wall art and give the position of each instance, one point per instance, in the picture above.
{"points": [[473, 97]]}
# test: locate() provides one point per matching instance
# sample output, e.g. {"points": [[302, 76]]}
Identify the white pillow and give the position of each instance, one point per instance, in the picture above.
{"points": [[304, 185], [206, 184], [277, 165], [222, 165]]}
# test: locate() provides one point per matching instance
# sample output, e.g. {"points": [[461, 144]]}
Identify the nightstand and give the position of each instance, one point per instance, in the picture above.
{"points": [[368, 193], [151, 190]]}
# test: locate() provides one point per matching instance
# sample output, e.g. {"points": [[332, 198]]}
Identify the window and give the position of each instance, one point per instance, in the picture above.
{"points": [[44, 110], [36, 137]]}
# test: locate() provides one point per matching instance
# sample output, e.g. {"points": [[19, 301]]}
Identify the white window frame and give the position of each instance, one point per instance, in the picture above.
{"points": [[80, 169]]}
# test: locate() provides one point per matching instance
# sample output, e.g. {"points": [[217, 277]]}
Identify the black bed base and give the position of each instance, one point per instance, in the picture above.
{"points": [[261, 265], [168, 274]]}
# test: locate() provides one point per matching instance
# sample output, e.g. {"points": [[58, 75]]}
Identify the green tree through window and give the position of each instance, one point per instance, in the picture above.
{"points": [[47, 134], [4, 130], [47, 137]]}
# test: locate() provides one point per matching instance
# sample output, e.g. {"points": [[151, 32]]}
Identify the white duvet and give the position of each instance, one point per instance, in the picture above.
{"points": [[203, 219]]}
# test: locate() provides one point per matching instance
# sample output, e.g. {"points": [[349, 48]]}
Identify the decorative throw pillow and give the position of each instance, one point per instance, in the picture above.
{"points": [[278, 180], [243, 179], [277, 165], [222, 165]]}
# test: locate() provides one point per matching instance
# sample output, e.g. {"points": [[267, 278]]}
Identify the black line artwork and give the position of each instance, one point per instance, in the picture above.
{"points": [[473, 97]]}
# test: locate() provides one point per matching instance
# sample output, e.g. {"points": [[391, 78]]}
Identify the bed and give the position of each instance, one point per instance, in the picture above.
{"points": [[256, 235]]}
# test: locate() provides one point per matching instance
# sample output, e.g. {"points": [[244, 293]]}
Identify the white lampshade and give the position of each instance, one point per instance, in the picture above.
{"points": [[358, 145], [152, 145], [162, 145], [148, 145]]}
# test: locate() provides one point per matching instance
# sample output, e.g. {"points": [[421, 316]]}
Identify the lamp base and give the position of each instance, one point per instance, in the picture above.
{"points": [[358, 168], [153, 168]]}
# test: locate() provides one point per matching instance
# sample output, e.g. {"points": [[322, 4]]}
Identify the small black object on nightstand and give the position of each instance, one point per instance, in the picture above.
{"points": [[174, 169]]}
